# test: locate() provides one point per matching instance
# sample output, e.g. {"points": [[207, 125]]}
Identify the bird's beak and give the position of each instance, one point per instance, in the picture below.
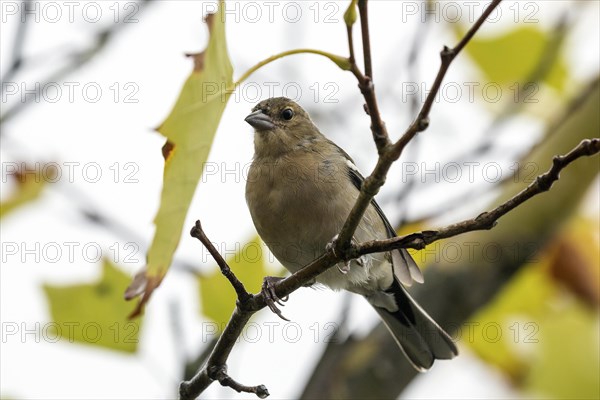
{"points": [[260, 121]]}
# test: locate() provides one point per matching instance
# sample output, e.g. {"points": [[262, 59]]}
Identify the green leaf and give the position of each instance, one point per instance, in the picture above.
{"points": [[189, 129], [30, 184], [342, 62], [518, 56], [216, 293], [94, 313]]}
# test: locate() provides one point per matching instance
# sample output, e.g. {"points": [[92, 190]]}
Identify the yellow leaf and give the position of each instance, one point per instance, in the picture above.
{"points": [[94, 313], [30, 184], [217, 294], [189, 129], [543, 331], [513, 58], [506, 330], [567, 366]]}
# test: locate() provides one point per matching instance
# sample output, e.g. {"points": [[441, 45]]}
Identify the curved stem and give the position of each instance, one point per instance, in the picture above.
{"points": [[340, 61]]}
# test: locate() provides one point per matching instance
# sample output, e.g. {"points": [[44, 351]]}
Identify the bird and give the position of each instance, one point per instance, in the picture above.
{"points": [[300, 189]]}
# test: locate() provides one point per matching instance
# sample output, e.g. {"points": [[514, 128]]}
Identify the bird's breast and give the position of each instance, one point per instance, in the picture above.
{"points": [[297, 207]]}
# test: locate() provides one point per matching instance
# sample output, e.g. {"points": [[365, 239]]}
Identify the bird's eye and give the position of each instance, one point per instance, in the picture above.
{"points": [[287, 114]]}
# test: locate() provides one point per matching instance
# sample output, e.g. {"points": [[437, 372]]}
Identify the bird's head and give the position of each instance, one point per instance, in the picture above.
{"points": [[280, 126]]}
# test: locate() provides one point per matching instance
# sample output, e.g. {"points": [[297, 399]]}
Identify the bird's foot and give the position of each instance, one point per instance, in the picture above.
{"points": [[344, 268], [271, 297], [310, 283], [331, 245], [363, 260]]}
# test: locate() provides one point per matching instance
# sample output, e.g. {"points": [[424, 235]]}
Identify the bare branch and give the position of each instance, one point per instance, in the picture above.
{"points": [[366, 39], [241, 291], [76, 60], [476, 279], [191, 389], [352, 59], [365, 82], [491, 135], [388, 154], [218, 357], [219, 373], [486, 220], [17, 49], [225, 380], [447, 56]]}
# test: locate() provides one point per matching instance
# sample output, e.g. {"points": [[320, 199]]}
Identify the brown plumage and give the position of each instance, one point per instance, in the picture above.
{"points": [[301, 188]]}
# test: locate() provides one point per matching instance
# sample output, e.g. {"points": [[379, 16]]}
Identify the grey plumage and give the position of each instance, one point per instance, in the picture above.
{"points": [[300, 190]]}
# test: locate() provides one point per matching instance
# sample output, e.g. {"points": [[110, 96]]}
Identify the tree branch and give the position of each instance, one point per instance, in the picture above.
{"points": [[447, 56], [76, 60], [246, 308], [476, 279], [199, 234], [366, 39], [17, 49], [365, 84], [486, 220], [219, 373], [388, 153]]}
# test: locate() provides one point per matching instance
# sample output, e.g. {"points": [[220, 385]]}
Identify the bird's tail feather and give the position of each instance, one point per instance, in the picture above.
{"points": [[421, 339]]}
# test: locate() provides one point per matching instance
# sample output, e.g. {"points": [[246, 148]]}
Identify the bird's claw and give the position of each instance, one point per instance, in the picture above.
{"points": [[362, 260], [344, 268], [331, 245], [271, 297]]}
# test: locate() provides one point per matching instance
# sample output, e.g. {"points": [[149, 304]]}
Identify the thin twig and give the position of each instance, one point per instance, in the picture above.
{"points": [[447, 56], [241, 291], [378, 128], [352, 59], [17, 49], [246, 308], [75, 61], [365, 81], [220, 374], [388, 154], [486, 220], [544, 65], [366, 39]]}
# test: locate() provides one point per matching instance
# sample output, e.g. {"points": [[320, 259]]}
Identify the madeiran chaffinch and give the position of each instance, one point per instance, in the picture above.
{"points": [[301, 188]]}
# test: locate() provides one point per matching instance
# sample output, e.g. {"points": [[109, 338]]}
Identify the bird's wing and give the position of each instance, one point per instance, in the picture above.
{"points": [[405, 268]]}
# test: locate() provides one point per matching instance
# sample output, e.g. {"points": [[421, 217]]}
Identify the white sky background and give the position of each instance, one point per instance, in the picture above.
{"points": [[148, 55]]}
